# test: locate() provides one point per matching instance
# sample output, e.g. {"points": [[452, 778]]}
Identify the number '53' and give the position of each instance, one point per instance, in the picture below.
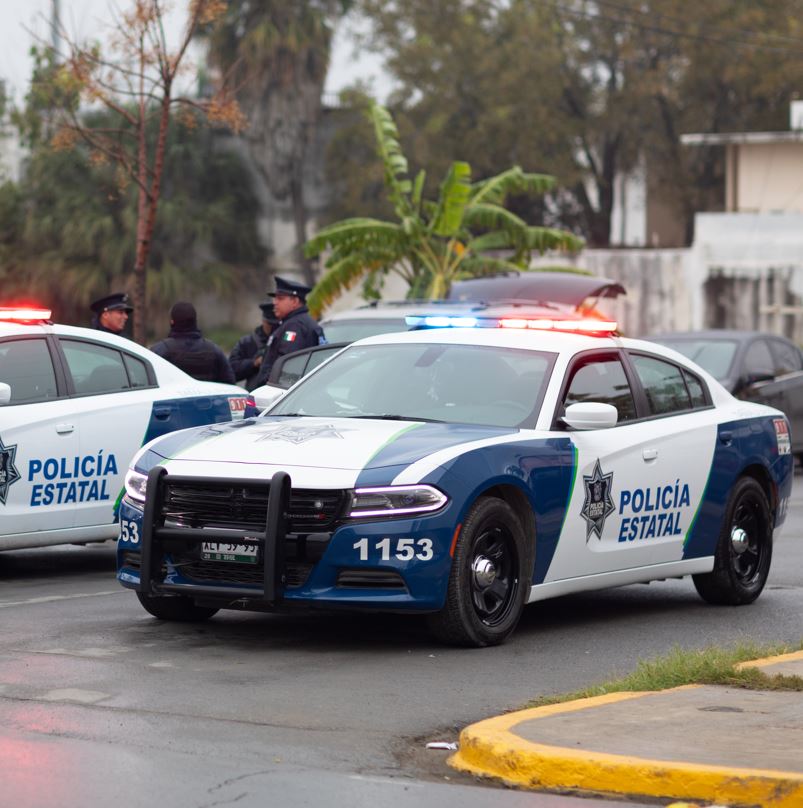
{"points": [[129, 531], [400, 549]]}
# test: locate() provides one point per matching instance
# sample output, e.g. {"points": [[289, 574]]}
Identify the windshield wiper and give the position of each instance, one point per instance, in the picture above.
{"points": [[385, 416]]}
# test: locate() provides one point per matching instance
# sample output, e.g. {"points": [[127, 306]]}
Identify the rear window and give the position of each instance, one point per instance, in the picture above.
{"points": [[714, 355], [352, 330]]}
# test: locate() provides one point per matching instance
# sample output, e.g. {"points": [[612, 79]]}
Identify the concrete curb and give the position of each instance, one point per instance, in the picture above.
{"points": [[491, 748]]}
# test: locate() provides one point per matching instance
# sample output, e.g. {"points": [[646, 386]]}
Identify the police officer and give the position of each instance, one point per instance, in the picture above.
{"points": [[246, 356], [186, 348], [110, 313], [297, 329]]}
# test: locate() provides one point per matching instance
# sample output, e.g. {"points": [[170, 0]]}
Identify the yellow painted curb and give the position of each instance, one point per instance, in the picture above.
{"points": [[490, 748], [794, 656]]}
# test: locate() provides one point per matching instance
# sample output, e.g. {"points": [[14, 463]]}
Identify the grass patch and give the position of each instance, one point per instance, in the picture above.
{"points": [[226, 336], [707, 666]]}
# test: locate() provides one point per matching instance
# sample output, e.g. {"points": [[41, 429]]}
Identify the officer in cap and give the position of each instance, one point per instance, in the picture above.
{"points": [[187, 349], [297, 330], [246, 356], [110, 313]]}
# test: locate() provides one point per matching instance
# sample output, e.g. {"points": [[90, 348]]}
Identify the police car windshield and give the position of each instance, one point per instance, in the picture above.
{"points": [[470, 384]]}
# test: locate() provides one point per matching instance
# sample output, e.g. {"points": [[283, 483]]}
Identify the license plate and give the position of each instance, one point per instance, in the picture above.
{"points": [[238, 553]]}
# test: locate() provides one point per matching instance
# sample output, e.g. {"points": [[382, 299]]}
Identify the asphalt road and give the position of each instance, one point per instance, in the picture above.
{"points": [[100, 704]]}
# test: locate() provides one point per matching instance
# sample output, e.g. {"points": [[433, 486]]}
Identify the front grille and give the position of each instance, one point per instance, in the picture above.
{"points": [[244, 507], [296, 574]]}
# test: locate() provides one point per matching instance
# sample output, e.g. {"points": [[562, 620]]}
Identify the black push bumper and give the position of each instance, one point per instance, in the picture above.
{"points": [[271, 541]]}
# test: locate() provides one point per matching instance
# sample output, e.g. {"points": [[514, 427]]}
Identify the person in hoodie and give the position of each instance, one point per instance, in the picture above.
{"points": [[187, 349], [246, 356]]}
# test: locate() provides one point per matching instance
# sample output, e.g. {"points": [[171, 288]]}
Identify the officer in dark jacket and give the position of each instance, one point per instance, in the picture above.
{"points": [[110, 313], [186, 348], [297, 329], [246, 356]]}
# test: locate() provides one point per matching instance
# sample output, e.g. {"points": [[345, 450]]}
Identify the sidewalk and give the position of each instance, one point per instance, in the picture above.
{"points": [[703, 743]]}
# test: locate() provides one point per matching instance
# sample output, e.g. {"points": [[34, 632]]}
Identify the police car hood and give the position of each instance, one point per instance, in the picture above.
{"points": [[307, 442]]}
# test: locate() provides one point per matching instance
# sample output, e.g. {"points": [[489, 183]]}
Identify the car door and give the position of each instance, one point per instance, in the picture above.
{"points": [[38, 439], [113, 393], [635, 493]]}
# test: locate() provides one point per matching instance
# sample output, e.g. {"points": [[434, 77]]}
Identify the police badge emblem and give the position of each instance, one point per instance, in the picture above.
{"points": [[598, 504], [8, 471]]}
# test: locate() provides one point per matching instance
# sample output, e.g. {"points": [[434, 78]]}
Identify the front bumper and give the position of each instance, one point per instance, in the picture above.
{"points": [[386, 564]]}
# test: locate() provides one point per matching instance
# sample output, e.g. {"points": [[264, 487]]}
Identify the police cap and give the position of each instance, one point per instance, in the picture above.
{"points": [[114, 302], [285, 287], [268, 313]]}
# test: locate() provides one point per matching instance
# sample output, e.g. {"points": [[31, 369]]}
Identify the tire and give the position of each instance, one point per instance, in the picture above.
{"points": [[742, 560], [488, 583], [178, 608]]}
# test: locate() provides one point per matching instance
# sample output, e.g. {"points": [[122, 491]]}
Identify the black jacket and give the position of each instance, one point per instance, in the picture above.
{"points": [[297, 331], [198, 357], [243, 354]]}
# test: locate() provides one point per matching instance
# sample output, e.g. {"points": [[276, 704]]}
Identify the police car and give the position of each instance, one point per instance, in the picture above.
{"points": [[464, 471], [75, 406]]}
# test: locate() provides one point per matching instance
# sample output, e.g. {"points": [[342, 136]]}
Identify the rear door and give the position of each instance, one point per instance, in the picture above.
{"points": [[38, 439]]}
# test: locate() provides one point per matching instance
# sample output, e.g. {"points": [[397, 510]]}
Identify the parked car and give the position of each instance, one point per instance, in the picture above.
{"points": [[75, 406], [751, 365], [462, 472]]}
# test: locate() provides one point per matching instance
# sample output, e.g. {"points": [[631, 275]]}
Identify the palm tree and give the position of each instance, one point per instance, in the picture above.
{"points": [[461, 234], [276, 54]]}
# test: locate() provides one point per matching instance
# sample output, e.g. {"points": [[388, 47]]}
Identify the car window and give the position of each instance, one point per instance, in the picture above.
{"points": [[137, 371], [663, 385], [95, 368], [351, 330], [787, 357], [292, 369], [452, 383], [696, 390], [26, 366], [758, 360], [714, 355], [603, 381]]}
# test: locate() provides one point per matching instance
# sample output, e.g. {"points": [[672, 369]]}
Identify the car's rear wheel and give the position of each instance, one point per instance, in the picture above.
{"points": [[178, 608], [488, 583], [744, 549]]}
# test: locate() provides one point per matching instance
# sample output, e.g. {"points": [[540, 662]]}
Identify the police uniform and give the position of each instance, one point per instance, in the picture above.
{"points": [[251, 346], [297, 331], [187, 349], [117, 301]]}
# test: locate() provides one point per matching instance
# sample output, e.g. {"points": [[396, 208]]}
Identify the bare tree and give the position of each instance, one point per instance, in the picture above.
{"points": [[134, 76]]}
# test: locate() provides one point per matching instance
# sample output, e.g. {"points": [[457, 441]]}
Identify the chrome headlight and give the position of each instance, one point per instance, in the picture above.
{"points": [[395, 500], [135, 485]]}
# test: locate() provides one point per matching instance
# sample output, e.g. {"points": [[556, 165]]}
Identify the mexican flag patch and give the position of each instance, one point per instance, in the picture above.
{"points": [[289, 336]]}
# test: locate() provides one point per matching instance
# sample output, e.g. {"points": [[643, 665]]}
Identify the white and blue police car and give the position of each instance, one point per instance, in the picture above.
{"points": [[463, 472], [75, 406]]}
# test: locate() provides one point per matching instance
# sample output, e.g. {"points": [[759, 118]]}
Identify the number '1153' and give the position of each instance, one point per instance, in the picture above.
{"points": [[404, 550]]}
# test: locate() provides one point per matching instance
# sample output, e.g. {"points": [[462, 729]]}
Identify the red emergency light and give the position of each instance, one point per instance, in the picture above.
{"points": [[24, 314], [585, 326]]}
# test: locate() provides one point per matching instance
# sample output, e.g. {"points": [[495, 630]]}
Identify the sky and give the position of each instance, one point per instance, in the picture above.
{"points": [[25, 20]]}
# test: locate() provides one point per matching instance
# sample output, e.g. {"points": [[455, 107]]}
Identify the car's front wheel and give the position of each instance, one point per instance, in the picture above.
{"points": [[488, 583], [744, 549], [178, 608]]}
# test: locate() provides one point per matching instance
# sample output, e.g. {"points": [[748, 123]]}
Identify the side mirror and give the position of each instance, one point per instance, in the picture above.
{"points": [[267, 395], [5, 394], [590, 415]]}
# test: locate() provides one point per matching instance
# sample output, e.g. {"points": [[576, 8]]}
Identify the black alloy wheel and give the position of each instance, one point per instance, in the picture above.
{"points": [[490, 577], [744, 549]]}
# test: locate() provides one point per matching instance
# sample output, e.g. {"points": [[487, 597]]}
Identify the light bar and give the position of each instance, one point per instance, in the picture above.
{"points": [[587, 325], [24, 314]]}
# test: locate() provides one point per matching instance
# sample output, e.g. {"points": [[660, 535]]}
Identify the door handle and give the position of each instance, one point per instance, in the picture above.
{"points": [[162, 413], [649, 454], [65, 429]]}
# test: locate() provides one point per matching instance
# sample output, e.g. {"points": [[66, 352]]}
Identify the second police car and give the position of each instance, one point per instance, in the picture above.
{"points": [[464, 472], [75, 406]]}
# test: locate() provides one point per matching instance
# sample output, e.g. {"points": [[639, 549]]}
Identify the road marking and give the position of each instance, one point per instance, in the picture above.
{"points": [[75, 694], [52, 598]]}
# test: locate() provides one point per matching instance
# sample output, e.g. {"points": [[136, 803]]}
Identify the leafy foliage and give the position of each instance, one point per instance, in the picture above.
{"points": [[432, 242]]}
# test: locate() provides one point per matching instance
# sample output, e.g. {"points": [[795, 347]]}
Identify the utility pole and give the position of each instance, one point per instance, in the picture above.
{"points": [[55, 27]]}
